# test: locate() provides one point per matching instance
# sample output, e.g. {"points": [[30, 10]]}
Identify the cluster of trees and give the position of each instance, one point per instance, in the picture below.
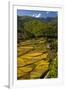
{"points": [[29, 27]]}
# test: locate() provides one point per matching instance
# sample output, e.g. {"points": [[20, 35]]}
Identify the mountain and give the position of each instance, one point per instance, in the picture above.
{"points": [[31, 27], [28, 18]]}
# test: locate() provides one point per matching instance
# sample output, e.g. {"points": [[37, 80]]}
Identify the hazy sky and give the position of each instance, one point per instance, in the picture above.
{"points": [[37, 14]]}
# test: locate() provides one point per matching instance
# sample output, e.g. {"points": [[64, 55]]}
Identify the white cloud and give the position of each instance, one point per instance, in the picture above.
{"points": [[33, 15], [36, 15], [47, 12]]}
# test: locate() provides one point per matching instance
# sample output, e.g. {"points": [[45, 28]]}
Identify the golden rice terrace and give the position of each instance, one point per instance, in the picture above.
{"points": [[35, 60]]}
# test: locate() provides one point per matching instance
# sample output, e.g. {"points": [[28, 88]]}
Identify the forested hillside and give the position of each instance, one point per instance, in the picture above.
{"points": [[29, 27]]}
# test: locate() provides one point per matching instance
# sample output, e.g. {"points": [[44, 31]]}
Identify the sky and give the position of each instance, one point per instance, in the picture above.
{"points": [[37, 14]]}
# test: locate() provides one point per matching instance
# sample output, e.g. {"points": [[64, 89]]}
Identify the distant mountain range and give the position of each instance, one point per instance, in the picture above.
{"points": [[48, 19]]}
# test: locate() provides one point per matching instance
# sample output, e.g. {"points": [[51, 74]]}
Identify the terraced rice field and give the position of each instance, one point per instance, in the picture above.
{"points": [[32, 59]]}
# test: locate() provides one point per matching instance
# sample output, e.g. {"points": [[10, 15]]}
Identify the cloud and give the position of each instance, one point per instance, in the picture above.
{"points": [[47, 12], [33, 15], [36, 15]]}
